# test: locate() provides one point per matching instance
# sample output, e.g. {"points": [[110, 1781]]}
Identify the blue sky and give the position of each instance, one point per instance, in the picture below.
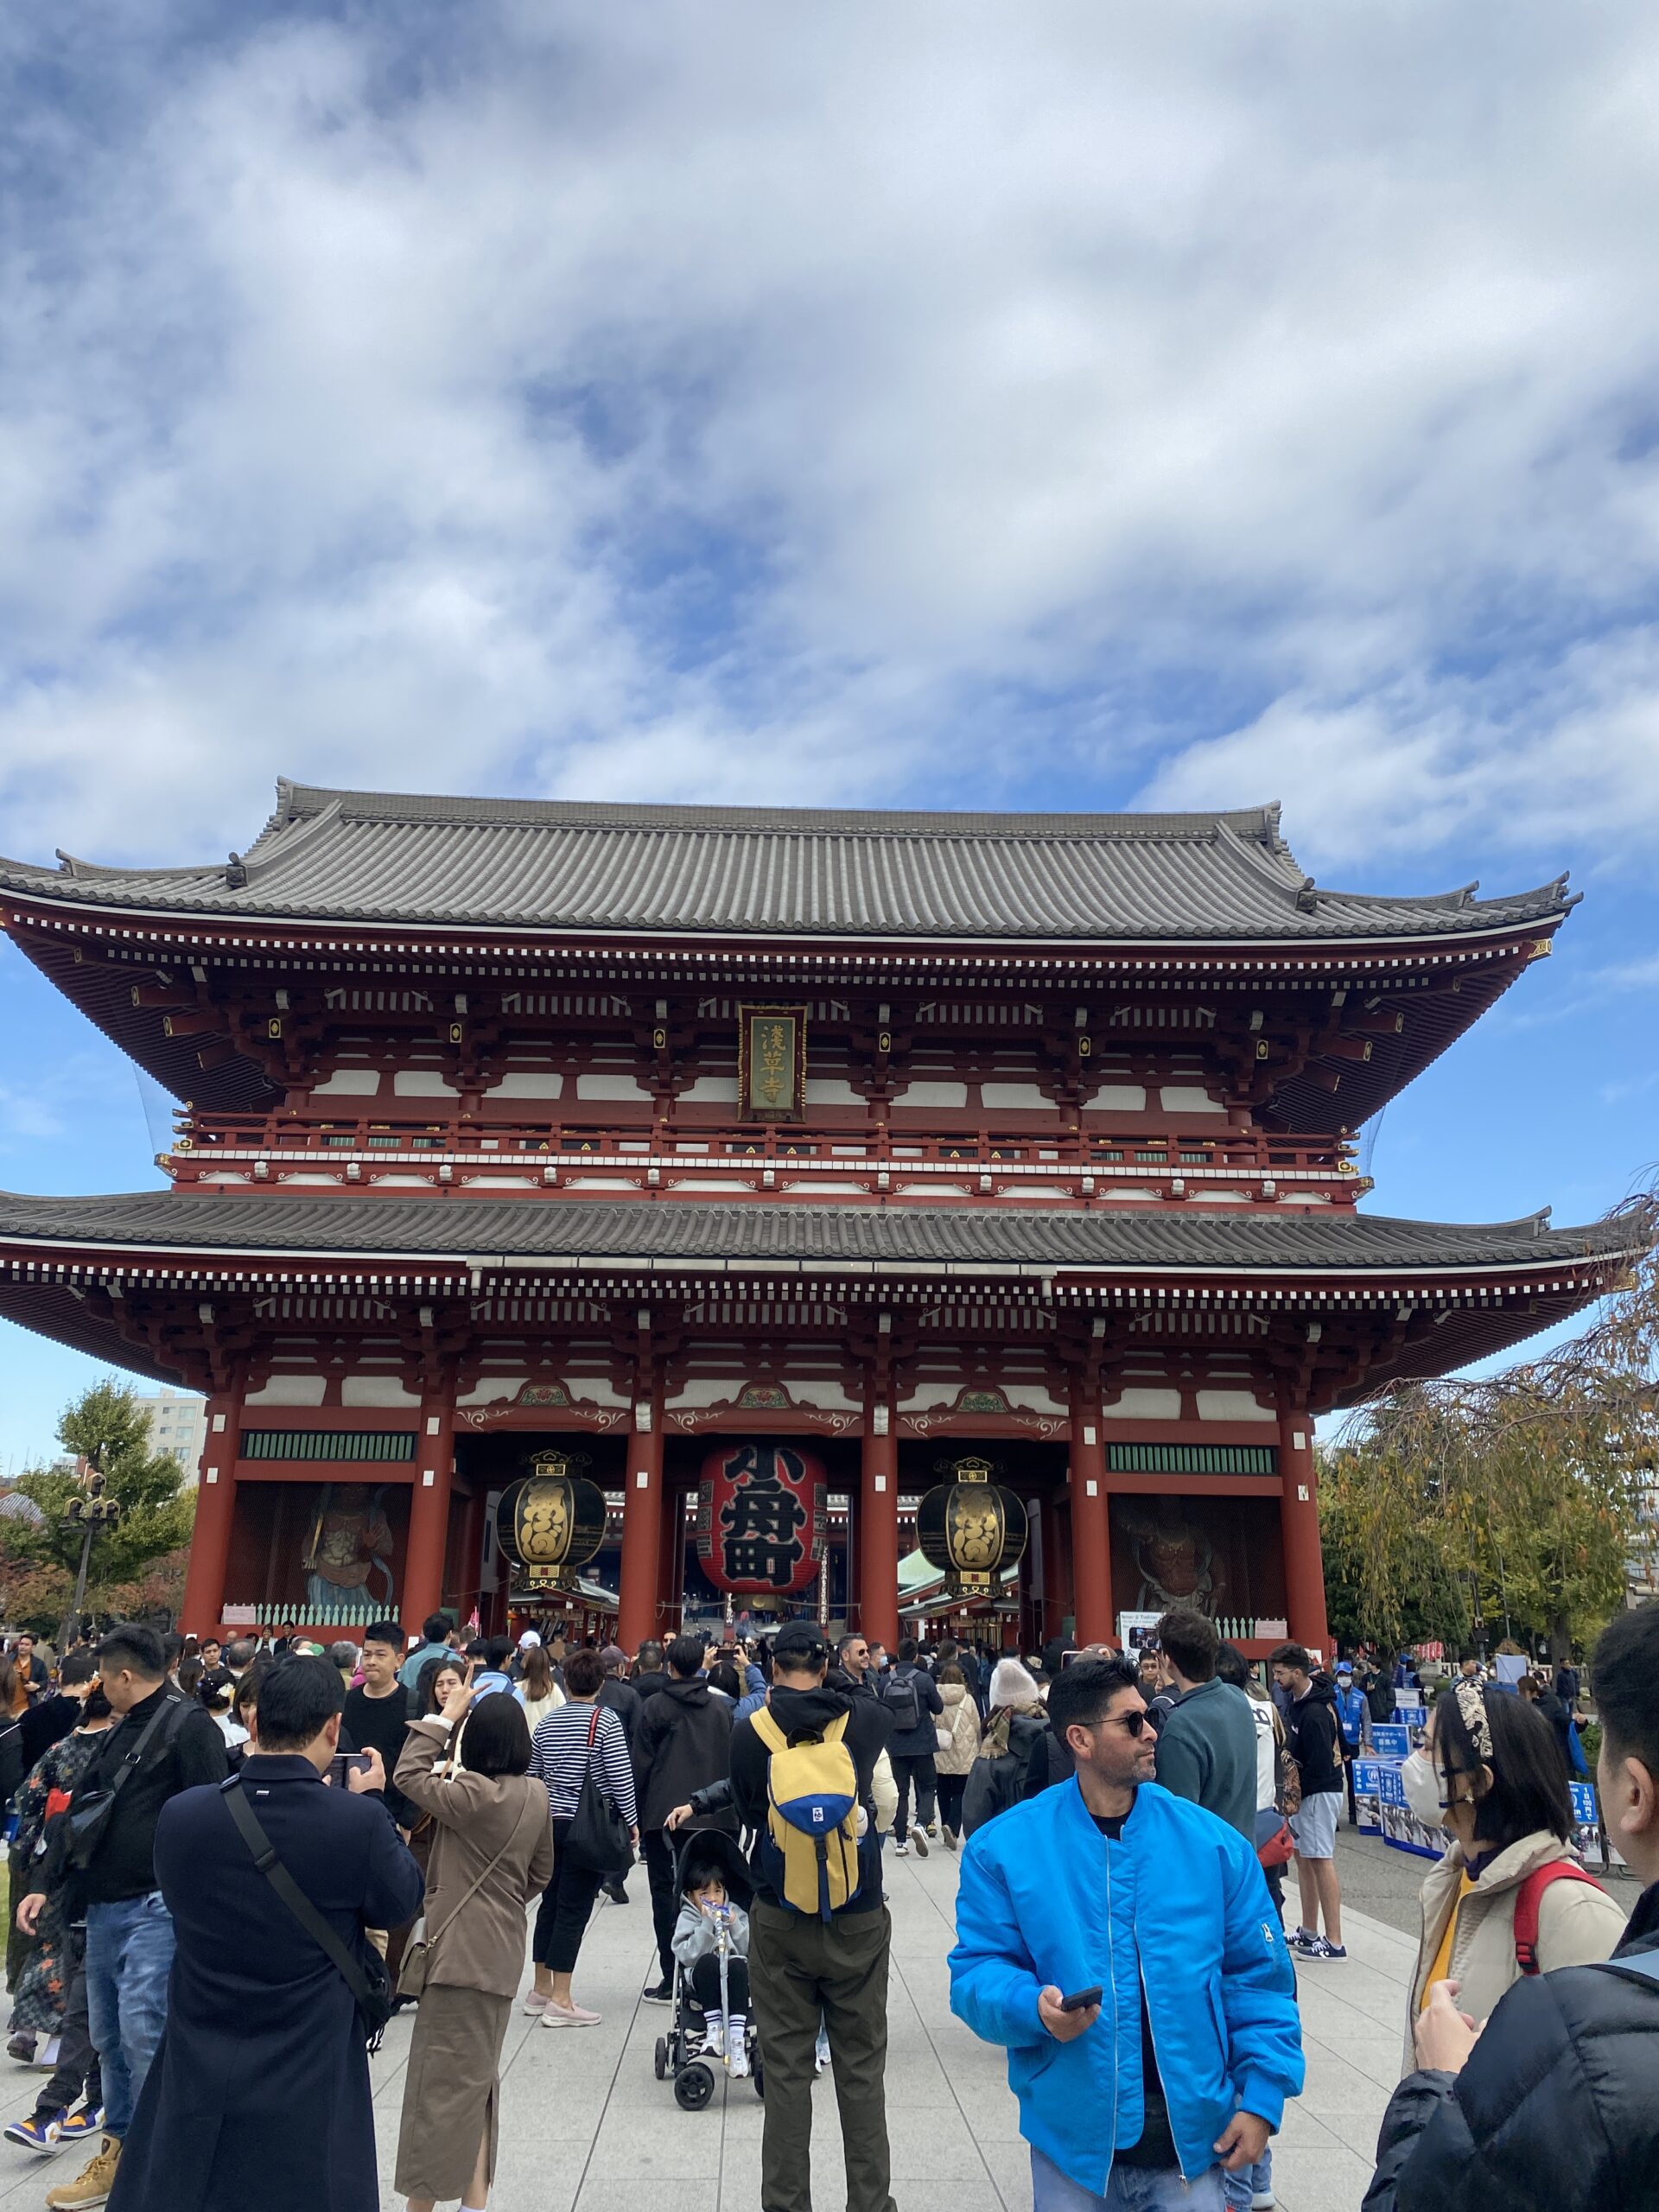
{"points": [[1057, 408]]}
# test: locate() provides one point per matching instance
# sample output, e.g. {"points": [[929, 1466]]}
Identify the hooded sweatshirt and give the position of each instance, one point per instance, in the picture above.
{"points": [[1314, 1733], [683, 1741], [802, 1713]]}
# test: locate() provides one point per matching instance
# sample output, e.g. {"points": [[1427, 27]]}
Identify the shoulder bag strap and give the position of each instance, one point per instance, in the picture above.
{"points": [[478, 1883], [265, 1859], [169, 1708], [767, 1729]]}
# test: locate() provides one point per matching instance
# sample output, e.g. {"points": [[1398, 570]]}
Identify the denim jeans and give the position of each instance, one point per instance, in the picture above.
{"points": [[128, 1959], [1128, 2189], [1248, 2181]]}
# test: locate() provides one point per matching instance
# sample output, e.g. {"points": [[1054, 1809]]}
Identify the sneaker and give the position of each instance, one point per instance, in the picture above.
{"points": [[22, 2048], [76, 2126], [92, 2186], [933, 1830], [952, 1841], [534, 2002], [1321, 1948], [1263, 2201], [918, 1837], [568, 2015], [901, 1851], [40, 2132], [737, 2051], [713, 2034], [659, 1992], [821, 2053], [1302, 1940]]}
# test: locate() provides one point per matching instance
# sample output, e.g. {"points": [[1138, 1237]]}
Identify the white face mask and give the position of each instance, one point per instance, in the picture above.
{"points": [[1422, 1787]]}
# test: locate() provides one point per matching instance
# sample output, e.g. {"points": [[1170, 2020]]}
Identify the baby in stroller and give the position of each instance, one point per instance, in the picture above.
{"points": [[711, 1944]]}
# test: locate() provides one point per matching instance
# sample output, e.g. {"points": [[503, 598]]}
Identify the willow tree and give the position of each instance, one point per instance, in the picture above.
{"points": [[1513, 1498]]}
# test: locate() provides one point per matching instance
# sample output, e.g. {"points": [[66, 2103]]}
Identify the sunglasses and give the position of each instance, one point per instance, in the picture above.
{"points": [[1133, 1724]]}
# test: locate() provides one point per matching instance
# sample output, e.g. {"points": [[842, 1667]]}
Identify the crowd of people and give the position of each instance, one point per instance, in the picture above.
{"points": [[231, 1866]]}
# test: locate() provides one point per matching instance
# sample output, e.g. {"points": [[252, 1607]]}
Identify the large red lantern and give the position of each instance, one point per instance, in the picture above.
{"points": [[762, 1517]]}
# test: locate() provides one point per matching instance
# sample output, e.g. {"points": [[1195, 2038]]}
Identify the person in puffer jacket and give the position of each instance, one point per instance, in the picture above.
{"points": [[1553, 2109], [955, 1760], [1014, 1728], [1108, 1886]]}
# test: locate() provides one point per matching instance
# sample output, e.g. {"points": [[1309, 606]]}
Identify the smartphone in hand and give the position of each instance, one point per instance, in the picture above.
{"points": [[345, 1763], [1083, 1999]]}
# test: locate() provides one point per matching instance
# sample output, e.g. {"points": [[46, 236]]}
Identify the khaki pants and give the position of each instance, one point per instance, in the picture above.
{"points": [[799, 1968]]}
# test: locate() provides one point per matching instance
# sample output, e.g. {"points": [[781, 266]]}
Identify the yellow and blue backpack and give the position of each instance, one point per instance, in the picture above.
{"points": [[810, 1847]]}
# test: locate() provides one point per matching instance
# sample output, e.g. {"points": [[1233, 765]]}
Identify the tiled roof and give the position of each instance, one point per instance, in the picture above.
{"points": [[368, 857], [424, 1231]]}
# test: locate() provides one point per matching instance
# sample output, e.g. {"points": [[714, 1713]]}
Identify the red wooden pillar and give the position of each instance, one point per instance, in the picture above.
{"points": [[1057, 1565], [878, 1531], [429, 1503], [670, 1570], [469, 1579], [1091, 1540], [1299, 1524], [642, 1534], [205, 1593]]}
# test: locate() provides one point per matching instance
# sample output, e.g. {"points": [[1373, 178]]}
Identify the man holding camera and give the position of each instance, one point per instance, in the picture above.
{"points": [[162, 1743], [260, 2098]]}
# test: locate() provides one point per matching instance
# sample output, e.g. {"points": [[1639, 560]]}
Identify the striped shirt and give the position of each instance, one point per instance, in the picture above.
{"points": [[558, 1757]]}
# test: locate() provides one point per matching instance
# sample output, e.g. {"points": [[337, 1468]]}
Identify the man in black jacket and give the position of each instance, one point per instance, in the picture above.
{"points": [[912, 1701], [1313, 1736], [162, 1744], [800, 1968], [1555, 2108], [682, 1742], [259, 2097], [648, 1679]]}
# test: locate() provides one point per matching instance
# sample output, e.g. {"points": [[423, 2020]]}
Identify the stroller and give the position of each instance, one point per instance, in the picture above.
{"points": [[680, 2052]]}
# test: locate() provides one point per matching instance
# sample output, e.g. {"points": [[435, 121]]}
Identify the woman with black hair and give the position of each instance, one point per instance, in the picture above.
{"points": [[491, 1853], [1509, 1898]]}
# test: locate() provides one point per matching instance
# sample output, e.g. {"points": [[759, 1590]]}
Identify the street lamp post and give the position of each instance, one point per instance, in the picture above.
{"points": [[92, 1510]]}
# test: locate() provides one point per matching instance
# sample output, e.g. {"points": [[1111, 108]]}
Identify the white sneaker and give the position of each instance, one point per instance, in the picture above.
{"points": [[918, 1837], [713, 2034], [736, 2050], [901, 1851], [1263, 2201]]}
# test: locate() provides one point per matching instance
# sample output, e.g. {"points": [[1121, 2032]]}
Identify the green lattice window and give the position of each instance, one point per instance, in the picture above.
{"points": [[1192, 1458], [328, 1444]]}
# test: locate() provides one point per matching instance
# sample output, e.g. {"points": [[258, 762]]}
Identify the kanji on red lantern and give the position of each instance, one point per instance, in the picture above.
{"points": [[762, 1516]]}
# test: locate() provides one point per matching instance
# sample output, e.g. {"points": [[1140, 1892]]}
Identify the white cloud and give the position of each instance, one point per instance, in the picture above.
{"points": [[1064, 404]]}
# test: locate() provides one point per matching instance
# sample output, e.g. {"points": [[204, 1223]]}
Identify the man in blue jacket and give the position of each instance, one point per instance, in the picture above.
{"points": [[1109, 1883]]}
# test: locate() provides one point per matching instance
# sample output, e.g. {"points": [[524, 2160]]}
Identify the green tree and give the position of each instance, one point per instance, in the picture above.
{"points": [[1514, 1497], [106, 1426]]}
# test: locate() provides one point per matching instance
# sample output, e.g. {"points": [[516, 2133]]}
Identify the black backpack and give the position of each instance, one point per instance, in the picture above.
{"points": [[898, 1695]]}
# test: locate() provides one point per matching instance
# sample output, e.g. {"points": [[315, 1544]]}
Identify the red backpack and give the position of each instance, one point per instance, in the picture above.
{"points": [[1528, 1898]]}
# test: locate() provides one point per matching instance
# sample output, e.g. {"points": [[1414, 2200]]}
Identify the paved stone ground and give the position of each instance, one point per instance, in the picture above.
{"points": [[586, 2127]]}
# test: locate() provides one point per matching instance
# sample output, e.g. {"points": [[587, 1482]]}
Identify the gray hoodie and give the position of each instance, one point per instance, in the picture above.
{"points": [[694, 1932]]}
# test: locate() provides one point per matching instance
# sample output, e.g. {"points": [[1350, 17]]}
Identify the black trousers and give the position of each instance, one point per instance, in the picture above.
{"points": [[908, 1767], [656, 1848], [77, 2067], [951, 1787], [563, 1916], [705, 1983]]}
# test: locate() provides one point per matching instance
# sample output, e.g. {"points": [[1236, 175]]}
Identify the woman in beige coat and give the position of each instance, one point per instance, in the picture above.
{"points": [[958, 1734], [1496, 1770], [493, 1851]]}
